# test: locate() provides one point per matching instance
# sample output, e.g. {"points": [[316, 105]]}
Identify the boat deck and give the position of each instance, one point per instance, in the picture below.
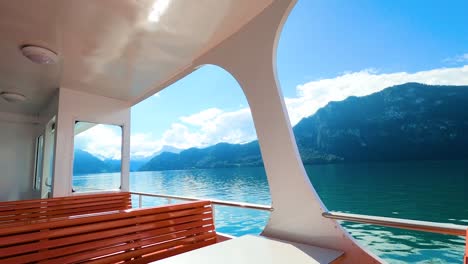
{"points": [[251, 249]]}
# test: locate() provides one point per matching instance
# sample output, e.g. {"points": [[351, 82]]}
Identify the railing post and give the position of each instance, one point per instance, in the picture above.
{"points": [[140, 200]]}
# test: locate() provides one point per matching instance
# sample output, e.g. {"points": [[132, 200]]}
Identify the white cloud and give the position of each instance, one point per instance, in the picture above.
{"points": [[201, 129], [103, 141], [215, 125], [457, 59], [143, 145], [200, 118], [316, 94]]}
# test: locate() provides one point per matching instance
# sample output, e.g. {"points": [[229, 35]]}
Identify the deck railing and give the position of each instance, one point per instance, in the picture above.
{"points": [[425, 226], [169, 199]]}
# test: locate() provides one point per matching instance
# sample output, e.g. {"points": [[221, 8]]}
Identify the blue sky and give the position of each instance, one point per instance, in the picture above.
{"points": [[328, 50], [324, 38]]}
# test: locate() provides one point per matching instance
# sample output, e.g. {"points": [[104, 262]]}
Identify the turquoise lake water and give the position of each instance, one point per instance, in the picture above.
{"points": [[429, 190]]}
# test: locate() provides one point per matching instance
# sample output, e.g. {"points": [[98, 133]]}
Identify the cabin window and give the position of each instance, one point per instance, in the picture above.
{"points": [[39, 162], [97, 157]]}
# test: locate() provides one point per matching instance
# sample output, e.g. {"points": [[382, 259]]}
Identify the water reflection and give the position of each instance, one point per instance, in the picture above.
{"points": [[425, 190], [240, 184], [96, 182]]}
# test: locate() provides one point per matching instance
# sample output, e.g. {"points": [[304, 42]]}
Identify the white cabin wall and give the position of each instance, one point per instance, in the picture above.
{"points": [[78, 106], [17, 154]]}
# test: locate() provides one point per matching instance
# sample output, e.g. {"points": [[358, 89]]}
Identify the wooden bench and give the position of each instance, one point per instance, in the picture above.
{"points": [[28, 210], [134, 235]]}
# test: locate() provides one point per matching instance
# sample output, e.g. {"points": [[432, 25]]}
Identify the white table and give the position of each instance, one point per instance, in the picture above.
{"points": [[255, 249]]}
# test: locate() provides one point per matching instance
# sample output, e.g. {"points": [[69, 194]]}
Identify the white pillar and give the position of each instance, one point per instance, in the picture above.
{"points": [[125, 175], [250, 56]]}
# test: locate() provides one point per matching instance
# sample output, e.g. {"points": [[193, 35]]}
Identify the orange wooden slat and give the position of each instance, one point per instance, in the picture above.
{"points": [[101, 247], [77, 227], [161, 236], [67, 199], [154, 249], [56, 223], [63, 206], [172, 225], [61, 201], [126, 235], [74, 210], [110, 246], [31, 206]]}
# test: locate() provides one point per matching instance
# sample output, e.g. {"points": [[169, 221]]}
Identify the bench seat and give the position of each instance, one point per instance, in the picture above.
{"points": [[133, 235], [30, 210]]}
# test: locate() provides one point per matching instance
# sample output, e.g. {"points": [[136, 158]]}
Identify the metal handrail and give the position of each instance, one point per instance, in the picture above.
{"points": [[213, 201], [426, 226]]}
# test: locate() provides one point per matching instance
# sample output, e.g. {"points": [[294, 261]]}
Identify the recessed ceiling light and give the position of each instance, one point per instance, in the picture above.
{"points": [[13, 97], [39, 55]]}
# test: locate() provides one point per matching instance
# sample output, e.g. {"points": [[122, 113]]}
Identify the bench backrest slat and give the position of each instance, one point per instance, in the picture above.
{"points": [[134, 235], [32, 210]]}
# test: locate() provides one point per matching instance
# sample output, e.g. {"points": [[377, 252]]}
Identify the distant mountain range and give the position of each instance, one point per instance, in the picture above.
{"points": [[411, 121], [86, 163], [222, 155], [137, 163]]}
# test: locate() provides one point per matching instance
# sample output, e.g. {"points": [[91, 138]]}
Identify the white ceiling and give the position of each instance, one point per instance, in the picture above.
{"points": [[109, 47]]}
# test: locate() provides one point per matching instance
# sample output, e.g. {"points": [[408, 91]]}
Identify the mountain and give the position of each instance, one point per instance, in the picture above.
{"points": [[166, 148], [84, 163], [137, 163], [221, 155], [406, 122], [411, 121], [113, 165]]}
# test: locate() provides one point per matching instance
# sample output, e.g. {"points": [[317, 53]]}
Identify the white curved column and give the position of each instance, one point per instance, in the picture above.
{"points": [[249, 56]]}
